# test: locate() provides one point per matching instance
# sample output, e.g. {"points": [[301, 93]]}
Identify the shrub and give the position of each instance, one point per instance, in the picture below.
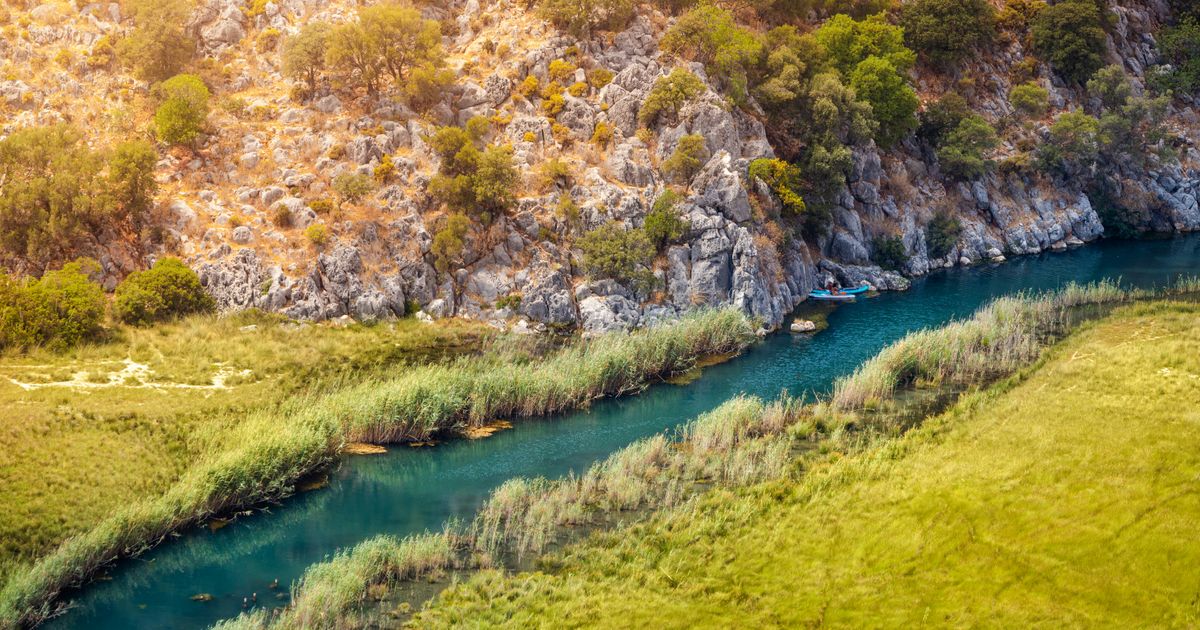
{"points": [[669, 94], [183, 111], [611, 251], [579, 89], [1070, 35], [304, 53], [942, 116], [562, 71], [941, 234], [469, 180], [427, 85], [494, 183], [448, 242], [1180, 47], [387, 41], [61, 309], [554, 173], [1073, 142], [281, 216], [783, 179], [710, 35], [889, 252], [946, 30], [131, 179], [963, 152], [602, 134], [848, 42], [687, 159], [1111, 87], [528, 87], [317, 234], [663, 225], [893, 101], [581, 17], [352, 187], [166, 290], [321, 206], [1030, 99], [158, 47], [599, 77]]}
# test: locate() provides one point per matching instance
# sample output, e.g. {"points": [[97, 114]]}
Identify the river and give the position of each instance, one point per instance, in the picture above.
{"points": [[417, 489]]}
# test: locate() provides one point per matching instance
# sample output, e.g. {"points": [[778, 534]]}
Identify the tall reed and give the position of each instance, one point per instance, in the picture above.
{"points": [[270, 451]]}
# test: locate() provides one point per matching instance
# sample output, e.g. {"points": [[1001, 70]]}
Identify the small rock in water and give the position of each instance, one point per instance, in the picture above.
{"points": [[202, 597], [803, 326]]}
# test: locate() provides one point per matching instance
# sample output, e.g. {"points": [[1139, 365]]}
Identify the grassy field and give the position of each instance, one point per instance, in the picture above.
{"points": [[267, 451], [1064, 496], [105, 424]]}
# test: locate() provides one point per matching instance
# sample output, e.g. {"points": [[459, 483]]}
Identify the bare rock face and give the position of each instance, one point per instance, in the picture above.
{"points": [[217, 24]]}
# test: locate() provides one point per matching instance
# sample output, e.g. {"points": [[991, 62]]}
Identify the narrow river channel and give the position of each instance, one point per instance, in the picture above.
{"points": [[417, 489]]}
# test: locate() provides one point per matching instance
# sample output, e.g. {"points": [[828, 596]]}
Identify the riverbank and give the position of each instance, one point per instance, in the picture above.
{"points": [[264, 456], [756, 441], [1061, 496]]}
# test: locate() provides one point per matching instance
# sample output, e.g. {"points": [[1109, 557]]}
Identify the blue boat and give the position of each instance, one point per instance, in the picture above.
{"points": [[818, 293], [830, 297]]}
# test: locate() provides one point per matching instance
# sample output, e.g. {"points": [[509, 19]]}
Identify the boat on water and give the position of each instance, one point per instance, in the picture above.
{"points": [[859, 290], [831, 297]]}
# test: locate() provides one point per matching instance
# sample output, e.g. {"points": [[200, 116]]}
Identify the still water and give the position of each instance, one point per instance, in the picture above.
{"points": [[415, 490]]}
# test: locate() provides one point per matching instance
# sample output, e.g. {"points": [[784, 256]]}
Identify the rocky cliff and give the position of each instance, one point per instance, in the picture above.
{"points": [[217, 202]]}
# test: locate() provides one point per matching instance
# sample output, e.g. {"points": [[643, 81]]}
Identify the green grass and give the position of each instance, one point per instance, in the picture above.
{"points": [[264, 455], [1065, 496], [70, 455]]}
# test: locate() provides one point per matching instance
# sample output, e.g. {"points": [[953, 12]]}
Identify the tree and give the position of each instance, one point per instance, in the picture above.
{"points": [[401, 38], [1030, 99], [946, 30], [849, 42], [710, 35], [158, 47], [611, 251], [1180, 48], [581, 17], [494, 182], [1110, 86], [889, 252], [663, 225], [166, 290], [64, 307], [1070, 35], [669, 94], [427, 85], [448, 243], [942, 234], [941, 117], [354, 53], [470, 180], [783, 179], [304, 53], [687, 159], [131, 179], [893, 101], [964, 150], [1073, 142], [183, 111]]}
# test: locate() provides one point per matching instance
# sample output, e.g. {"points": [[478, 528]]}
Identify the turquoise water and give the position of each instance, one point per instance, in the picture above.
{"points": [[414, 490]]}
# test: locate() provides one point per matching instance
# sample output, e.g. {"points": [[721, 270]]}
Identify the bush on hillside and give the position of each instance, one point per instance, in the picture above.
{"points": [[388, 41], [784, 181], [57, 193], [1030, 100], [1180, 48], [889, 252], [963, 154], [183, 111], [1073, 144], [304, 53], [167, 290], [158, 47], [945, 31], [848, 42], [941, 117], [448, 242], [611, 251], [893, 101], [687, 159], [663, 225], [1070, 35], [710, 35], [352, 187], [941, 234], [472, 178], [668, 95], [61, 309], [583, 17]]}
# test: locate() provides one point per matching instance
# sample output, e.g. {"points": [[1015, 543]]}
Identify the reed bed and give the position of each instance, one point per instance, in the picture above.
{"points": [[269, 452], [746, 440]]}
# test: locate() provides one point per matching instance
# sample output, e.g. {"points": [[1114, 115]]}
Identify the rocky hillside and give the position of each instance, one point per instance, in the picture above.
{"points": [[270, 152]]}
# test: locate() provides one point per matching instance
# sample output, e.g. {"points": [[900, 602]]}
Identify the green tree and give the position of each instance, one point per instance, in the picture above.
{"points": [[611, 251], [963, 153], [663, 225], [304, 53], [401, 38], [889, 252], [183, 111], [687, 159], [849, 42], [158, 47], [352, 187], [427, 85], [942, 116], [581, 17], [893, 101], [941, 234], [131, 179], [1070, 35], [1111, 87], [668, 95], [354, 53], [1073, 142], [166, 290], [1030, 99], [1180, 48], [494, 182], [64, 307], [784, 181], [447, 247], [946, 30], [710, 35]]}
